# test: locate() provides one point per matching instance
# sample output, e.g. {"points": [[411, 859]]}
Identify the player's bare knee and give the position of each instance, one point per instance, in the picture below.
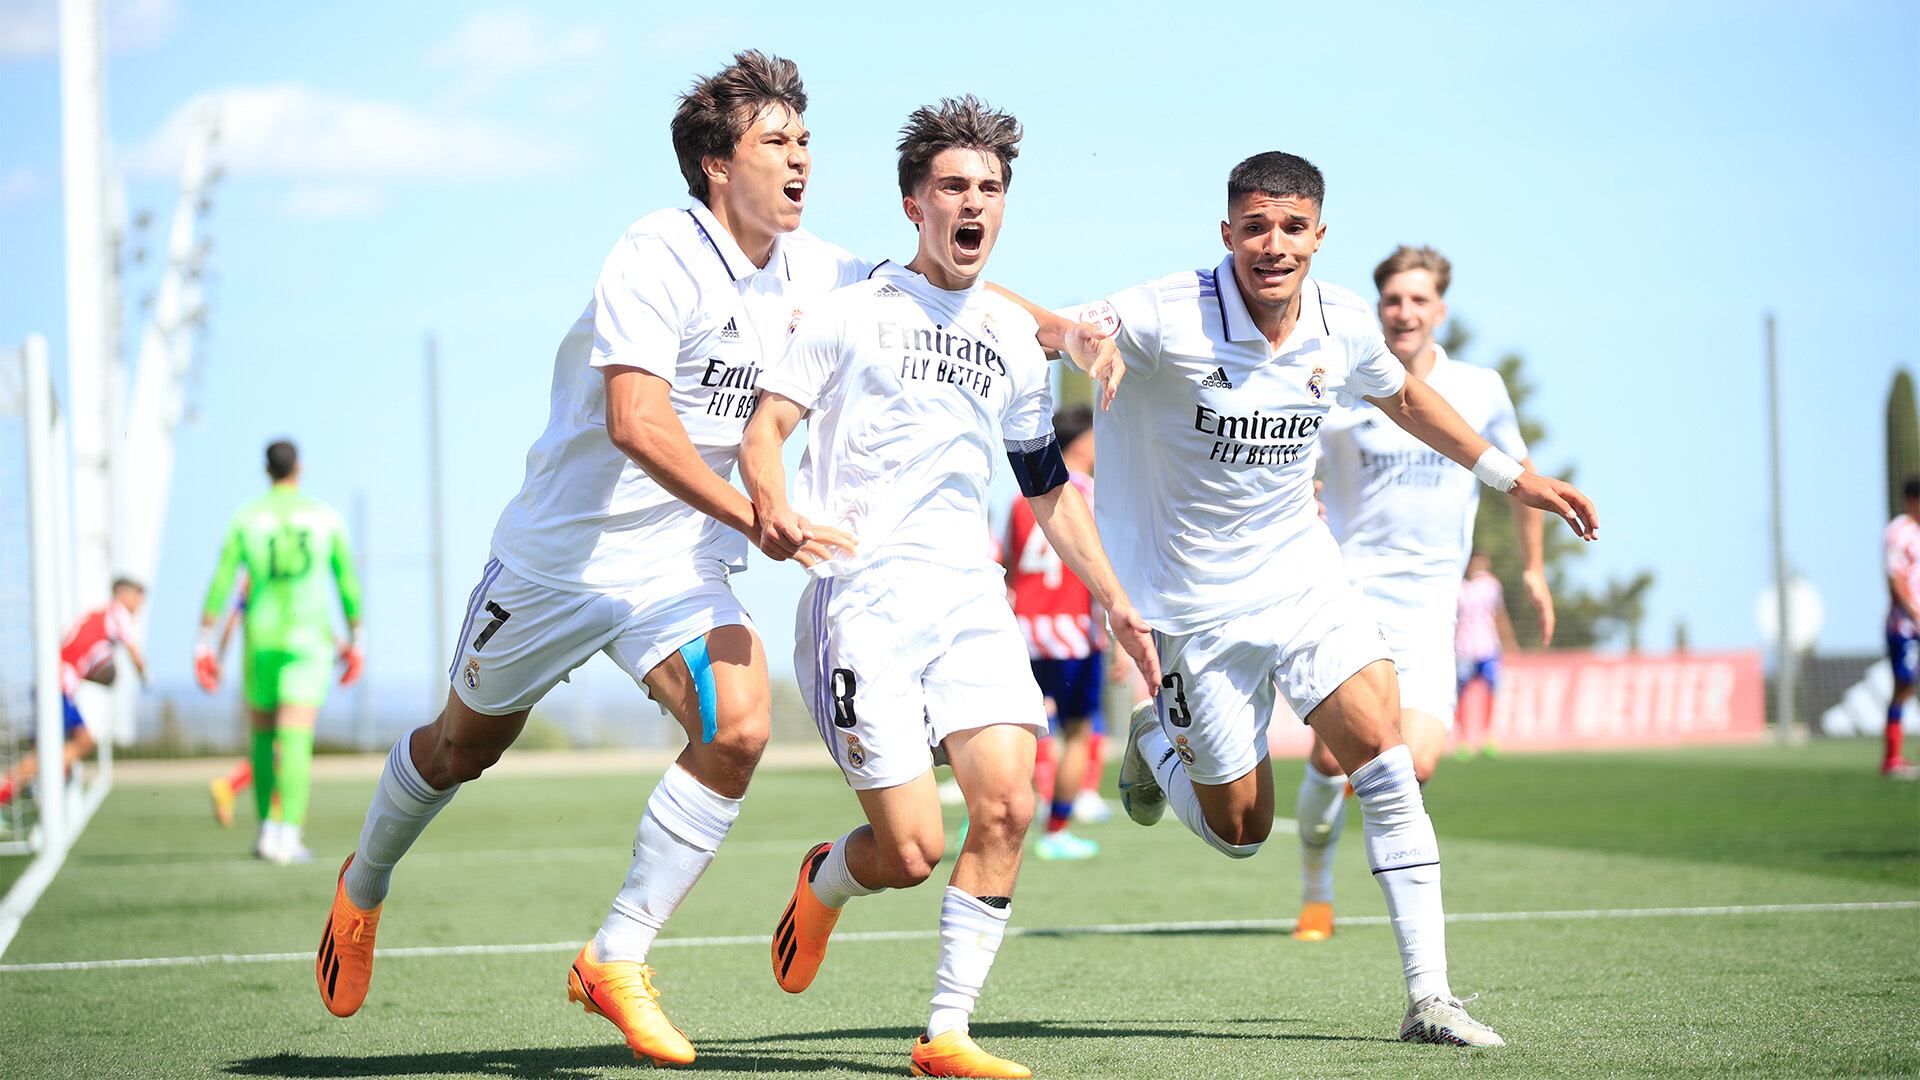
{"points": [[911, 860], [1001, 817], [739, 743], [1424, 763]]}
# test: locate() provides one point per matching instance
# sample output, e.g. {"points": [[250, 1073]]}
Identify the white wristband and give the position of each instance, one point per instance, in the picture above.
{"points": [[1497, 470], [205, 640]]}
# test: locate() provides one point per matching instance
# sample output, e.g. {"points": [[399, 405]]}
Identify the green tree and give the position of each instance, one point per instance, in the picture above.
{"points": [[1583, 617], [1903, 440]]}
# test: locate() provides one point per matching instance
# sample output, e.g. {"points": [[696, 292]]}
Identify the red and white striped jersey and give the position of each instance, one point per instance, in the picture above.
{"points": [[1903, 562], [1054, 610], [90, 643], [1476, 634]]}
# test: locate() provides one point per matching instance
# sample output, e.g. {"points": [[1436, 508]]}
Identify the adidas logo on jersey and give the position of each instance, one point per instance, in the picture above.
{"points": [[1217, 381], [888, 290], [730, 332]]}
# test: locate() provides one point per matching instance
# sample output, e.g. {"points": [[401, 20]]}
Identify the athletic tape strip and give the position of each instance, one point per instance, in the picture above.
{"points": [[695, 654]]}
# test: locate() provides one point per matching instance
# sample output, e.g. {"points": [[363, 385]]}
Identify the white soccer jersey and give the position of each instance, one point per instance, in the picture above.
{"points": [[679, 299], [915, 394], [1400, 508], [1205, 459]]}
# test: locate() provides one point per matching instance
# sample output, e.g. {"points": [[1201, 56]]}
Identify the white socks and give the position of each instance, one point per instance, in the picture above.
{"points": [[1320, 812], [970, 934], [402, 806], [834, 884], [678, 835], [1405, 859], [1180, 794]]}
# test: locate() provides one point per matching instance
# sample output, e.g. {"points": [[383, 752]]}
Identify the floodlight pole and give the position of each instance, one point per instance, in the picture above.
{"points": [[1787, 678], [89, 322]]}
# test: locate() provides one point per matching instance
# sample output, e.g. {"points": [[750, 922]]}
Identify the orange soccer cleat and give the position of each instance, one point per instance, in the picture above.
{"points": [[344, 967], [622, 991], [800, 940], [222, 793], [1315, 922], [955, 1053]]}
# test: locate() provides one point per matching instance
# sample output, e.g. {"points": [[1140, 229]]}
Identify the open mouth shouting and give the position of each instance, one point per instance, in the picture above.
{"points": [[969, 238], [795, 189], [1274, 274]]}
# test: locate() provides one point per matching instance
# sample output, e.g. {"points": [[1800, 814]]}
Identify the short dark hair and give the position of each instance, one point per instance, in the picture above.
{"points": [[282, 458], [964, 123], [127, 583], [1072, 422], [716, 111], [1911, 489], [1277, 174]]}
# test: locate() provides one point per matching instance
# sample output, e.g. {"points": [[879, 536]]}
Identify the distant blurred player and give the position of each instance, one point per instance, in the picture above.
{"points": [[87, 656], [1903, 623], [1403, 514], [1063, 631], [294, 550], [1482, 633]]}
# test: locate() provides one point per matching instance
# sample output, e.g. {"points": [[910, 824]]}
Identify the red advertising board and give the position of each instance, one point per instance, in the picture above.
{"points": [[1575, 700]]}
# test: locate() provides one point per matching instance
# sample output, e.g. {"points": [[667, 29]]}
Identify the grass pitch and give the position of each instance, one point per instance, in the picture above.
{"points": [[1603, 904]]}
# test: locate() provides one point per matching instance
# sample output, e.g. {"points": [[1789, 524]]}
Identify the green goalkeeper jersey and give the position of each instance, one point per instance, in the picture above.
{"points": [[295, 551]]}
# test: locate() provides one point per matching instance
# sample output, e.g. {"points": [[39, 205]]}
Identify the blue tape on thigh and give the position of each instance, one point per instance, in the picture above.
{"points": [[695, 654]]}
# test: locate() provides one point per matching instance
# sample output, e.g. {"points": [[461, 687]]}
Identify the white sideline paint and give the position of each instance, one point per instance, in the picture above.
{"points": [[1013, 931]]}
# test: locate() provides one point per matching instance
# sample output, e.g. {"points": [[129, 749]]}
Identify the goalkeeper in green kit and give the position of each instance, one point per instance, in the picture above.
{"points": [[295, 553]]}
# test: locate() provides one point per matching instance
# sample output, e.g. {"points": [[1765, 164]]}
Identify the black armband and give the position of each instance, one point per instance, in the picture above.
{"points": [[1037, 464]]}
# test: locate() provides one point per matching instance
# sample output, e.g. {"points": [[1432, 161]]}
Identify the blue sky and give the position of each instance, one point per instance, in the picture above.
{"points": [[1624, 191]]}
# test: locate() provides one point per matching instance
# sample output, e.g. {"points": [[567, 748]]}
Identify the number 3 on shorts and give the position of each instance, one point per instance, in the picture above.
{"points": [[1177, 708], [843, 686]]}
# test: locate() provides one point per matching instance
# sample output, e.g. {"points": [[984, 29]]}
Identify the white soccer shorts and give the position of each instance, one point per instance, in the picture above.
{"points": [[520, 639], [898, 655], [1417, 619], [1218, 685]]}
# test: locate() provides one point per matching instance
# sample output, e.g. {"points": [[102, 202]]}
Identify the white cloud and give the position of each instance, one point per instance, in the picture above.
{"points": [[291, 129], [493, 46], [334, 201], [19, 186], [31, 28]]}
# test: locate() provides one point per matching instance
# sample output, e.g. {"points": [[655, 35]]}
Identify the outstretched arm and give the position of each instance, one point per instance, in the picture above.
{"points": [[781, 533], [1091, 349], [1063, 515], [1427, 417]]}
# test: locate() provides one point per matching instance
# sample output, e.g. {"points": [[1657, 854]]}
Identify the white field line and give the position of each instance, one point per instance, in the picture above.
{"points": [[763, 941]]}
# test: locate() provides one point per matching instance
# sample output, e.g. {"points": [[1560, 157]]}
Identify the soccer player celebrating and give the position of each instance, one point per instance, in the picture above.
{"points": [[1207, 498], [624, 534], [1056, 615], [1903, 623], [294, 551], [914, 381], [86, 656], [1403, 514]]}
